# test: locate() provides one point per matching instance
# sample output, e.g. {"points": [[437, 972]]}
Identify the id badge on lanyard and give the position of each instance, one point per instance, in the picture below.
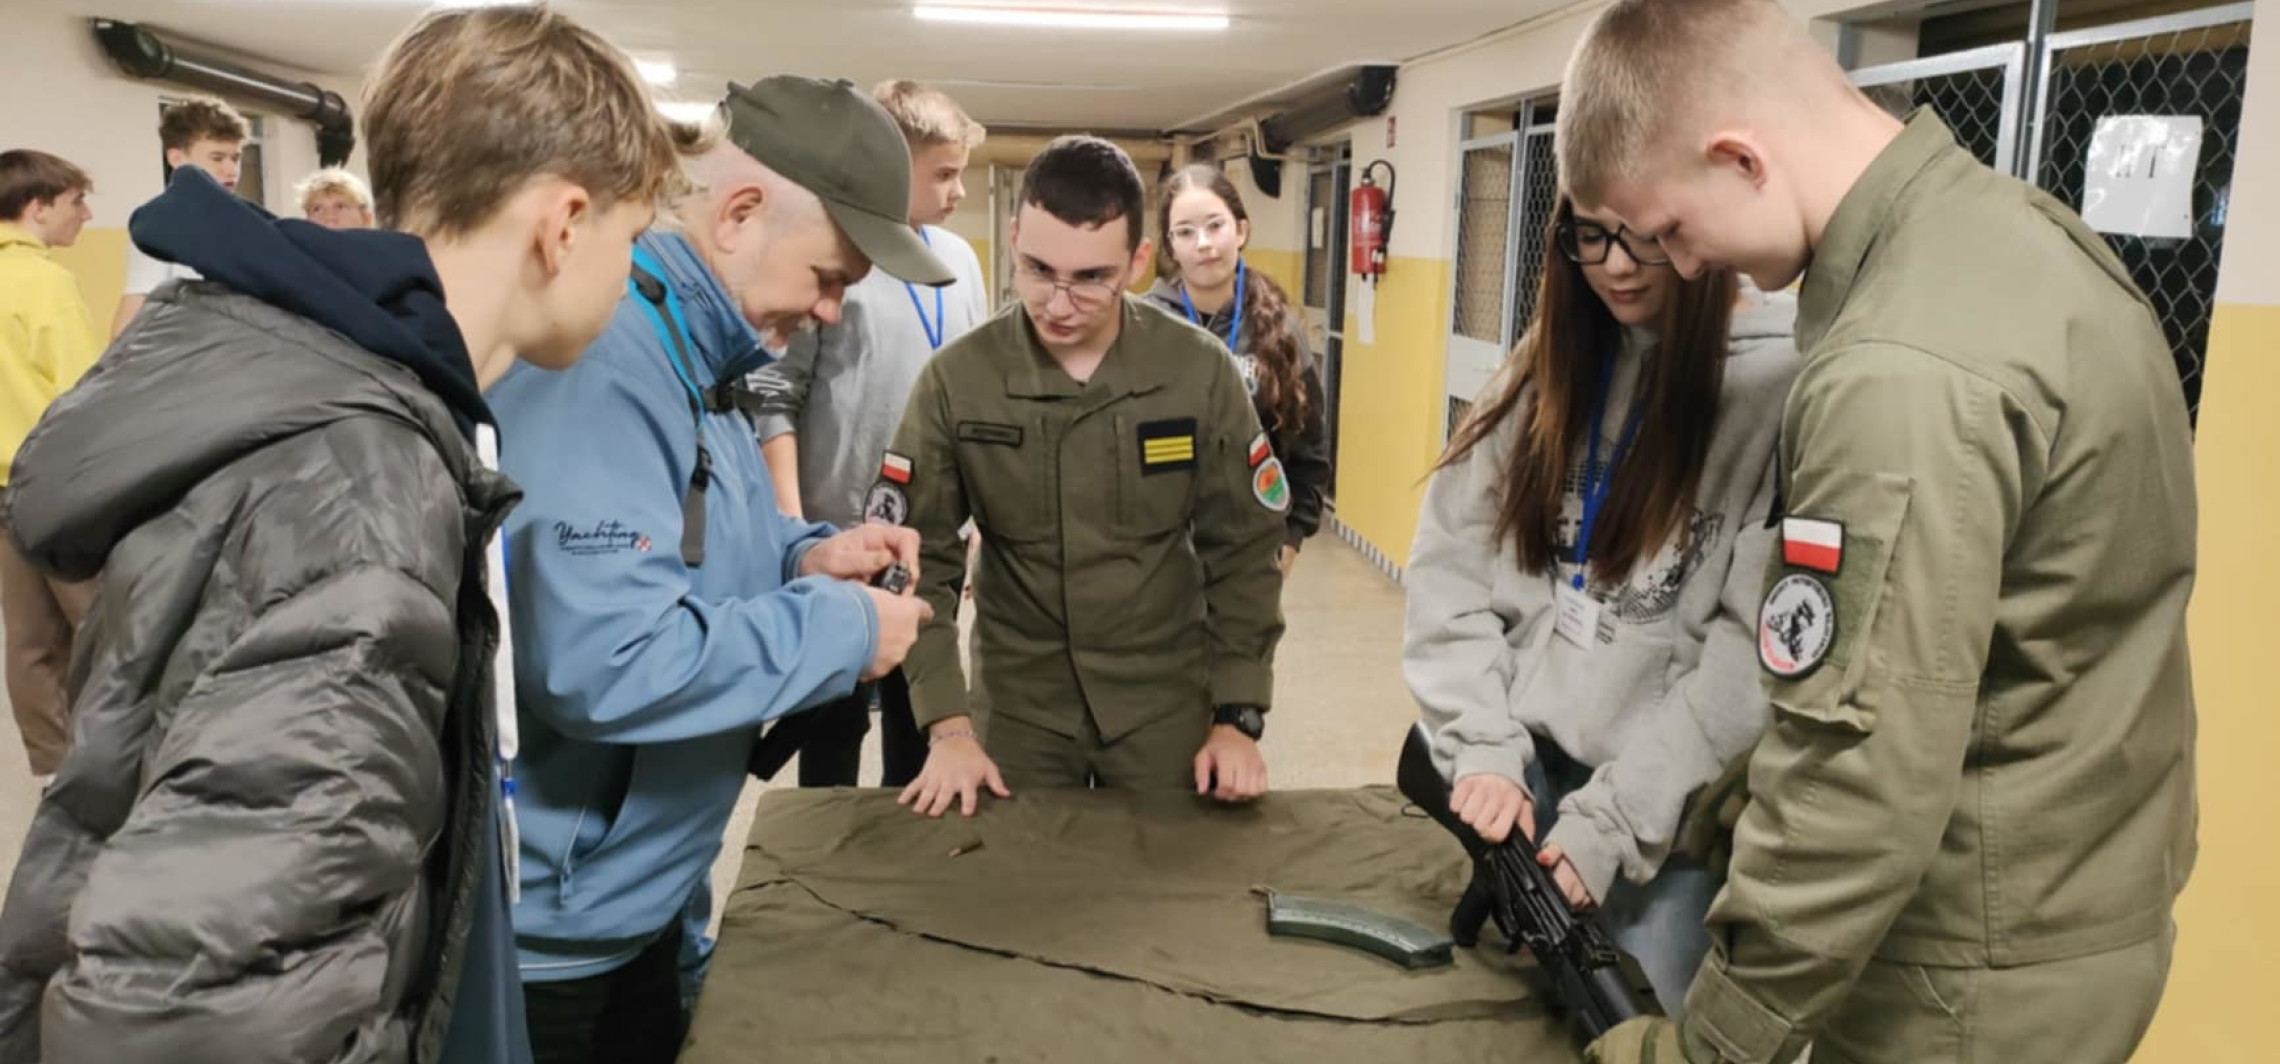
{"points": [[1578, 616]]}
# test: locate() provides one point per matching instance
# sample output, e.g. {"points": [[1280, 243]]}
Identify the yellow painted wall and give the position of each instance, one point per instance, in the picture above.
{"points": [[1391, 405], [2228, 925], [100, 261], [1287, 267], [989, 270]]}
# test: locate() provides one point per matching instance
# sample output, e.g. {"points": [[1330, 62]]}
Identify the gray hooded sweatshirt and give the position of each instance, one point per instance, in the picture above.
{"points": [[1668, 691]]}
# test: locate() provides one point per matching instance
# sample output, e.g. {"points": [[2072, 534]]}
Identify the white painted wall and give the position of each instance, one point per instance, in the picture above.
{"points": [[1276, 223], [65, 98], [1430, 96]]}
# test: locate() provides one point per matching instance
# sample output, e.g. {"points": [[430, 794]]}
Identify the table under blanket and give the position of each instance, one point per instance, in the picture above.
{"points": [[1099, 926]]}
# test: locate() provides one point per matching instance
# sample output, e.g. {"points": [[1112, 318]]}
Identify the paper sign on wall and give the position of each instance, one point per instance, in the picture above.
{"points": [[1320, 221], [2139, 178], [1365, 313]]}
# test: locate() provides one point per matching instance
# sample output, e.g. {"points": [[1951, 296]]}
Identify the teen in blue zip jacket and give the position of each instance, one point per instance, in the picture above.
{"points": [[664, 609]]}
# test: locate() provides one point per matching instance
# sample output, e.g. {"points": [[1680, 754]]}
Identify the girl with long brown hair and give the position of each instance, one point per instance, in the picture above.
{"points": [[1584, 585], [1205, 228]]}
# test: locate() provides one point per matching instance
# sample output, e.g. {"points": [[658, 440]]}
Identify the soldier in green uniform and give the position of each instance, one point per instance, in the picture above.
{"points": [[1969, 822], [1129, 509]]}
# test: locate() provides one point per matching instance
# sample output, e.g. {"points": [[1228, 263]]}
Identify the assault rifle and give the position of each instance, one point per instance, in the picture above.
{"points": [[1509, 887]]}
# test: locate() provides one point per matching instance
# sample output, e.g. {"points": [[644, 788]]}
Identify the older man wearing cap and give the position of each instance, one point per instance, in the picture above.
{"points": [[663, 609]]}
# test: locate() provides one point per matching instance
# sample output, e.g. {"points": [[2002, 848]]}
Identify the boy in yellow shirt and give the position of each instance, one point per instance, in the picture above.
{"points": [[46, 342]]}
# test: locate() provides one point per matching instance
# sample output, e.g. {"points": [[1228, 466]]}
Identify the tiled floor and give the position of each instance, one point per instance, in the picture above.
{"points": [[1340, 703]]}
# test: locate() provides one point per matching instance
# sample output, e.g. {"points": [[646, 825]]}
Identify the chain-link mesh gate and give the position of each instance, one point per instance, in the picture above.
{"points": [[1480, 308], [1977, 93], [1539, 194], [2194, 64], [1484, 219]]}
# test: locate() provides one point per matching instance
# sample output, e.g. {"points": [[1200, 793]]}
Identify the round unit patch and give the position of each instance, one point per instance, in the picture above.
{"points": [[1796, 627], [886, 505], [1249, 365], [1269, 484]]}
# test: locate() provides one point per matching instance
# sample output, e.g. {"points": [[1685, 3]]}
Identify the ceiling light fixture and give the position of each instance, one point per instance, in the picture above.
{"points": [[658, 72], [1053, 18], [687, 110]]}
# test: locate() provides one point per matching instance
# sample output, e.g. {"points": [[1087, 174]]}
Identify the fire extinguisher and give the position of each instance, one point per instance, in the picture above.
{"points": [[1371, 224]]}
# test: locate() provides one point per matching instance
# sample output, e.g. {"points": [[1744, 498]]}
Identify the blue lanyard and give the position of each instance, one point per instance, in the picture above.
{"points": [[1598, 482], [677, 343], [939, 324], [1235, 328], [675, 336]]}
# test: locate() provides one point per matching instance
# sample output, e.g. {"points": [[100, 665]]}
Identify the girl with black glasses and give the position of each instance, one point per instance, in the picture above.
{"points": [[1585, 581]]}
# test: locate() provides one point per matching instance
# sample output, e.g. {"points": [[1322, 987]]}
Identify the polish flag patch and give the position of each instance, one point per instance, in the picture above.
{"points": [[1810, 544], [1260, 451], [896, 468]]}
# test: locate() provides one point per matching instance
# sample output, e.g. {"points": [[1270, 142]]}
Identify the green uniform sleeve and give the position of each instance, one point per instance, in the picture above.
{"points": [[937, 508], [1925, 468], [1240, 508]]}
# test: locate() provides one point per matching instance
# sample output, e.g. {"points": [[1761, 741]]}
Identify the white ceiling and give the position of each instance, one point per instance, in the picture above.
{"points": [[1006, 77]]}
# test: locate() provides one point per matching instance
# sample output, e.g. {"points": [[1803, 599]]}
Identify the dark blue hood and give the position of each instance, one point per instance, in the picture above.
{"points": [[377, 288]]}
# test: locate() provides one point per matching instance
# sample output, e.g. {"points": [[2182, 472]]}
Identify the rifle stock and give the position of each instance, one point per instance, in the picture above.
{"points": [[1510, 887]]}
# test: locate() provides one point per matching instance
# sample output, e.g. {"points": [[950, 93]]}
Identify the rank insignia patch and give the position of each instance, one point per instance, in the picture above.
{"points": [[1167, 446]]}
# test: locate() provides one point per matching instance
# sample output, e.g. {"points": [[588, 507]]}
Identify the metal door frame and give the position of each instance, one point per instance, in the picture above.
{"points": [[1332, 361], [2207, 18], [1522, 225], [2011, 59], [1515, 205], [1005, 182]]}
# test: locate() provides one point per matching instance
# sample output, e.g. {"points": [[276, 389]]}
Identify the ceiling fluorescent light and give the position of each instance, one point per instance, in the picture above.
{"points": [[658, 72], [687, 110], [1065, 19]]}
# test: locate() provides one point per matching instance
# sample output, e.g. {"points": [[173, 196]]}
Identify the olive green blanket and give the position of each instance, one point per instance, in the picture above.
{"points": [[1101, 926]]}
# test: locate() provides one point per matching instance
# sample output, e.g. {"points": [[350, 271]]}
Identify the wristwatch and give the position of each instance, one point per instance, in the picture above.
{"points": [[1250, 720]]}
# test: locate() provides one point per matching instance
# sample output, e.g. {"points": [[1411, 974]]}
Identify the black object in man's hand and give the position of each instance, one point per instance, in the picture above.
{"points": [[894, 579], [785, 737]]}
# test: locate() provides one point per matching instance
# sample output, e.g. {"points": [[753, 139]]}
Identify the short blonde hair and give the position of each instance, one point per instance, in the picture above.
{"points": [[1647, 73], [470, 104], [333, 181], [928, 116]]}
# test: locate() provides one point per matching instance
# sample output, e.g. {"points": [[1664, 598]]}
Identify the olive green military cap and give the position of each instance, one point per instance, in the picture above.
{"points": [[833, 140]]}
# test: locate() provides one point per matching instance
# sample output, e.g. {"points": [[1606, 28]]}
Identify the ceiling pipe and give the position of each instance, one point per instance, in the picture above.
{"points": [[141, 52], [1267, 142]]}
